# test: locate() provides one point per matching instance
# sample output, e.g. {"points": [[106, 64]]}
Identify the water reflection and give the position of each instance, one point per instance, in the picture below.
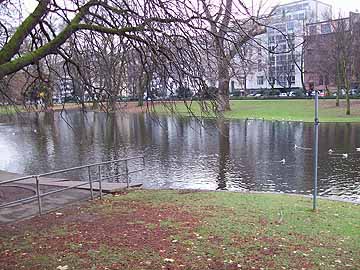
{"points": [[184, 153]]}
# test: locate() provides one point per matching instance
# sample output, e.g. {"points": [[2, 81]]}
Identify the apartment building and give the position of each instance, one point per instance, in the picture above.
{"points": [[331, 46], [276, 57]]}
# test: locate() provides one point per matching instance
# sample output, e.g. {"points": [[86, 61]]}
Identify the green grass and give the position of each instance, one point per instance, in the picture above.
{"points": [[7, 110], [282, 110], [190, 230]]}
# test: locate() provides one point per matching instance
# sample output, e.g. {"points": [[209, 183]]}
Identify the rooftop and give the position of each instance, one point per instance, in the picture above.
{"points": [[302, 1]]}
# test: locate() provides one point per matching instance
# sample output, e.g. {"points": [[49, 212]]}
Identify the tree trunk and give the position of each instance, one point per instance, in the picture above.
{"points": [[223, 96], [140, 93], [223, 91], [347, 87], [347, 102], [245, 84], [142, 84], [224, 149], [338, 97]]}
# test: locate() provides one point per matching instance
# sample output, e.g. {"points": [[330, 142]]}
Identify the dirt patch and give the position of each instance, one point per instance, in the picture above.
{"points": [[80, 231], [188, 191], [330, 104]]}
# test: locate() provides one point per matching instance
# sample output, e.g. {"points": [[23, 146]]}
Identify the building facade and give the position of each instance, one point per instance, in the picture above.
{"points": [[332, 51], [277, 56]]}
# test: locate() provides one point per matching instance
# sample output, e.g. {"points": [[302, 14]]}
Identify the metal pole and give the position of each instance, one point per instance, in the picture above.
{"points": [[38, 194], [316, 150], [90, 183], [127, 174], [100, 186]]}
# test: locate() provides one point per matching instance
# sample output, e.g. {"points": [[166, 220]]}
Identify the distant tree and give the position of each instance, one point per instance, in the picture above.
{"points": [[145, 27], [168, 37], [229, 34], [344, 51], [183, 92]]}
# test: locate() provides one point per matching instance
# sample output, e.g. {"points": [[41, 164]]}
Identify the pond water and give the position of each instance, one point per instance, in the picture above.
{"points": [[187, 153]]}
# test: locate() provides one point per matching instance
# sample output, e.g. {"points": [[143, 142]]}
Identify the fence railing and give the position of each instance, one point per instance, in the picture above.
{"points": [[37, 180]]}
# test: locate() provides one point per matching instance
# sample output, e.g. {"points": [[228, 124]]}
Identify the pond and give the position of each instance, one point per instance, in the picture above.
{"points": [[184, 153]]}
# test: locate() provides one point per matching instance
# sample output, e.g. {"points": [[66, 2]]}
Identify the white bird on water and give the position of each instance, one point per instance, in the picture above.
{"points": [[282, 161], [345, 155], [302, 148]]}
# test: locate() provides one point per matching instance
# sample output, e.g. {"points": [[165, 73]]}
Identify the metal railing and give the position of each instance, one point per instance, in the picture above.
{"points": [[39, 195]]}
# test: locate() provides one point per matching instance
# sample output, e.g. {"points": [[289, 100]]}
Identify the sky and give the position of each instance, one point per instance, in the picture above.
{"points": [[338, 5]]}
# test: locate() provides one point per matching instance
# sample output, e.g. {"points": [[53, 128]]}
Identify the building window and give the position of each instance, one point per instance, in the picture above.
{"points": [[260, 80], [242, 81], [301, 16], [290, 26], [313, 29], [232, 86], [325, 28]]}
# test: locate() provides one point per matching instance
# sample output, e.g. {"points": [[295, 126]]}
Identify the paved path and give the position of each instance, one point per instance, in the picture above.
{"points": [[26, 188]]}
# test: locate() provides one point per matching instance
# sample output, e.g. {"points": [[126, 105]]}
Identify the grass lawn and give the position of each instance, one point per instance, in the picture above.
{"points": [[7, 110], [188, 230], [289, 110]]}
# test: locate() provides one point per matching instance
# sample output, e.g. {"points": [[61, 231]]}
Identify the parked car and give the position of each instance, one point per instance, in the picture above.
{"points": [[321, 93], [283, 95], [235, 94], [354, 92]]}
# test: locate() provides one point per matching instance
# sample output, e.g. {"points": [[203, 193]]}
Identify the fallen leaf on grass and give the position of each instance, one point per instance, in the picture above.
{"points": [[65, 267]]}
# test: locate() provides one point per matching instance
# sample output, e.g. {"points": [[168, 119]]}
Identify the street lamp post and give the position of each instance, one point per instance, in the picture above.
{"points": [[316, 145]]}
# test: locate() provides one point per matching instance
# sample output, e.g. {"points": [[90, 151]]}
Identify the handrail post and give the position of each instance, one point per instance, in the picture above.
{"points": [[38, 194], [100, 186], [127, 174], [90, 184]]}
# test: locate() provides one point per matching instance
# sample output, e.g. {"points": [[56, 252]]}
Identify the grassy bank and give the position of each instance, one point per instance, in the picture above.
{"points": [[7, 110], [188, 230], [289, 110]]}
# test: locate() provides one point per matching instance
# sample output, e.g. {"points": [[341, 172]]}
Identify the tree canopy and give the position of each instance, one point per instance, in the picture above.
{"points": [[153, 36]]}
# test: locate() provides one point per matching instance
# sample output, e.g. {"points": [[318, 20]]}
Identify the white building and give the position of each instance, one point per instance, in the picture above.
{"points": [[276, 56]]}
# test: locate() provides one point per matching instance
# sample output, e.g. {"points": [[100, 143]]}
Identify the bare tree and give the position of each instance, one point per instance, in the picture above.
{"points": [[229, 34], [148, 25], [333, 56], [168, 39], [344, 50]]}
